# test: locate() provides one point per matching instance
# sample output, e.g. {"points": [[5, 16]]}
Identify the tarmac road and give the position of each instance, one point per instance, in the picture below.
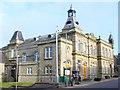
{"points": [[110, 83]]}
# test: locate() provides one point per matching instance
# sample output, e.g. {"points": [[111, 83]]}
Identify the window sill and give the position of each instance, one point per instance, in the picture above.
{"points": [[47, 58], [48, 74]]}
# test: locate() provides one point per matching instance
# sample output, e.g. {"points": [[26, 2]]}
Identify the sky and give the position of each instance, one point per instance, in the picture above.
{"points": [[41, 18]]}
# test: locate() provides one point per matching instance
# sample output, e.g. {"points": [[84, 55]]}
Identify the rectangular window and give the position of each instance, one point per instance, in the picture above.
{"points": [[36, 56], [46, 70], [50, 69], [50, 52], [79, 46], [29, 70], [12, 53], [24, 57]]}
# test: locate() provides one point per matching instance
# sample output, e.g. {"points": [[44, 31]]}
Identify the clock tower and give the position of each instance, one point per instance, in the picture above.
{"points": [[71, 22]]}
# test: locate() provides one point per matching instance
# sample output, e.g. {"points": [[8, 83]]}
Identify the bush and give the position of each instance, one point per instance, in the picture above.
{"points": [[115, 76], [97, 79]]}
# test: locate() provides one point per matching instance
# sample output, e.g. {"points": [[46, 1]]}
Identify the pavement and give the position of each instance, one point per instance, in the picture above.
{"points": [[86, 83]]}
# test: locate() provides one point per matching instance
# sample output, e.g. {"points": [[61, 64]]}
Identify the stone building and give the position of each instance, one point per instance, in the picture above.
{"points": [[36, 57], [119, 64], [116, 63]]}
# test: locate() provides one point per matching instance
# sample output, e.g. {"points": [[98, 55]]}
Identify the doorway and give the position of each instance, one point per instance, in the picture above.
{"points": [[85, 71], [110, 70]]}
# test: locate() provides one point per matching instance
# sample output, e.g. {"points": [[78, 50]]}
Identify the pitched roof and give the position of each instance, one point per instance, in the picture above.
{"points": [[17, 36]]}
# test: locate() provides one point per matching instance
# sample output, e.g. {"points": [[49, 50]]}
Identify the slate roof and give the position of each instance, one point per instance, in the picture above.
{"points": [[4, 48], [34, 40], [17, 36]]}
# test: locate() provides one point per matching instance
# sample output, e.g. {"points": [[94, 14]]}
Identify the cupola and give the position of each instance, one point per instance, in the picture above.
{"points": [[71, 22], [17, 38]]}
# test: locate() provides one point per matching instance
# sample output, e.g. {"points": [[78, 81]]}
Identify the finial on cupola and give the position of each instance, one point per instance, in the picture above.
{"points": [[71, 6], [110, 39]]}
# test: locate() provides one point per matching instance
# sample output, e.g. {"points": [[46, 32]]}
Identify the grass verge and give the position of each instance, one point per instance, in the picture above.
{"points": [[9, 84]]}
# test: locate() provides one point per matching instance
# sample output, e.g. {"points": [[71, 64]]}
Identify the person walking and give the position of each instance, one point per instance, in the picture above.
{"points": [[71, 80]]}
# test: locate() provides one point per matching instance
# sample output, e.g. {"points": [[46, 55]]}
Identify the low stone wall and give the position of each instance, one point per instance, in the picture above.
{"points": [[45, 85], [29, 78], [36, 79], [41, 85]]}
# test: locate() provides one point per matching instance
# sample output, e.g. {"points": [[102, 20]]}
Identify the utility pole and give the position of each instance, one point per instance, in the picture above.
{"points": [[16, 67], [66, 52]]}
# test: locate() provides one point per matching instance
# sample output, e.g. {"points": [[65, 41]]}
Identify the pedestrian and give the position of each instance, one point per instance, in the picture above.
{"points": [[71, 80], [79, 79], [66, 83]]}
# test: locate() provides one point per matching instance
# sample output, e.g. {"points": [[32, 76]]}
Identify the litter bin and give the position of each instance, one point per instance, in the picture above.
{"points": [[63, 78]]}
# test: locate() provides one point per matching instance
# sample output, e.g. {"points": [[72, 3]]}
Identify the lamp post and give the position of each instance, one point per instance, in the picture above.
{"points": [[66, 51], [16, 66], [57, 76]]}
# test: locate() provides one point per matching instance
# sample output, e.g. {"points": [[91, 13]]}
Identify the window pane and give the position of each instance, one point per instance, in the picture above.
{"points": [[46, 52], [50, 69], [12, 53], [29, 70], [46, 70], [50, 52], [36, 56], [24, 59], [79, 46]]}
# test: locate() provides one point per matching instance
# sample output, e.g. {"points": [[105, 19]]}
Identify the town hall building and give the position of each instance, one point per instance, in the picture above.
{"points": [[34, 59]]}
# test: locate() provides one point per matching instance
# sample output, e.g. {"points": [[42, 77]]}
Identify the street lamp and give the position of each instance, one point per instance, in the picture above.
{"points": [[57, 76], [16, 66]]}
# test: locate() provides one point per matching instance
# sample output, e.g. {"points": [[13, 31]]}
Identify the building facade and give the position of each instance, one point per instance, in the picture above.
{"points": [[35, 58]]}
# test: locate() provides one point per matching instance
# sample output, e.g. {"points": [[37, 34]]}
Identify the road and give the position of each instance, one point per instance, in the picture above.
{"points": [[112, 83]]}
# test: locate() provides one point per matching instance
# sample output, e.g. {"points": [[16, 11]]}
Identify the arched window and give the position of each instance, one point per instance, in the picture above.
{"points": [[93, 69], [91, 50], [106, 52], [86, 48], [103, 51], [82, 47], [103, 67], [94, 51], [68, 49]]}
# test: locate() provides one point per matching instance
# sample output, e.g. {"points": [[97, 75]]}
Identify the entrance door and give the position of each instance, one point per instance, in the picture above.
{"points": [[110, 70], [13, 73], [85, 71]]}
